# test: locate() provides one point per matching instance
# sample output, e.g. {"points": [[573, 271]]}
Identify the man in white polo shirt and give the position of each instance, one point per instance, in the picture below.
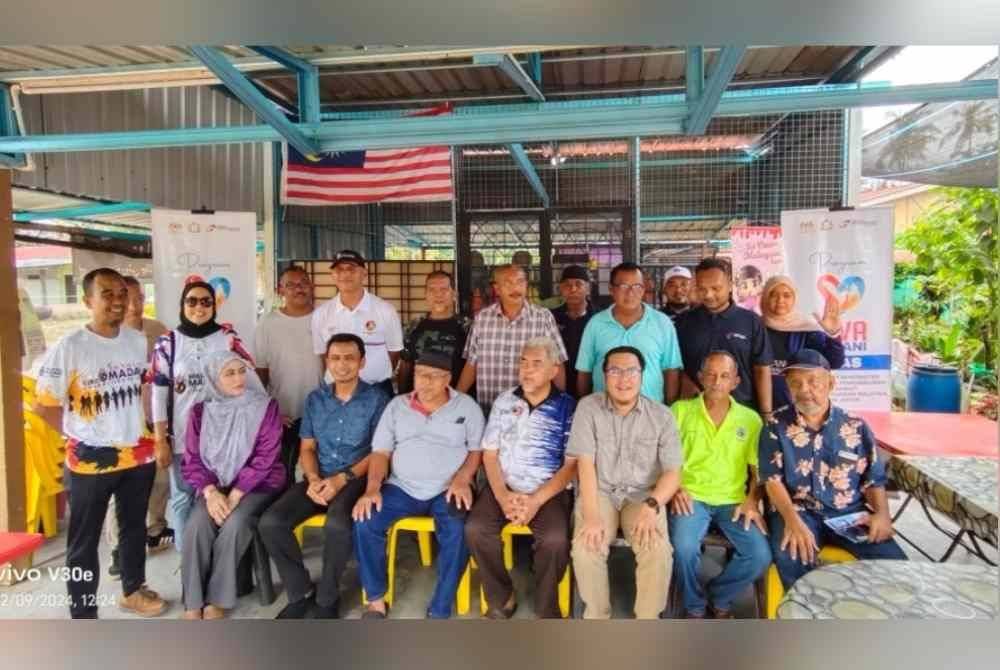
{"points": [[355, 310]]}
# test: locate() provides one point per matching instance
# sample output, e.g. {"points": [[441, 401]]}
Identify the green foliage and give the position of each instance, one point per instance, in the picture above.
{"points": [[956, 274]]}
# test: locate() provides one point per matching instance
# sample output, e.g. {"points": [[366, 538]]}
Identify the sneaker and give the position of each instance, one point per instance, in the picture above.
{"points": [[298, 609], [157, 543], [318, 611], [143, 602], [115, 569]]}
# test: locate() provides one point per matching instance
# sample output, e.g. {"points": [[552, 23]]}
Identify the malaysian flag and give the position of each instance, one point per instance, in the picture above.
{"points": [[373, 175]]}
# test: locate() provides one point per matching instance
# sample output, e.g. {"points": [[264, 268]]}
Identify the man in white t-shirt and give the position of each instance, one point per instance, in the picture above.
{"points": [[89, 389], [355, 310], [289, 370]]}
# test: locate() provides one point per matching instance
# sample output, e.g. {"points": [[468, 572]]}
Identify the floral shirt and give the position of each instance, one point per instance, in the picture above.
{"points": [[825, 471]]}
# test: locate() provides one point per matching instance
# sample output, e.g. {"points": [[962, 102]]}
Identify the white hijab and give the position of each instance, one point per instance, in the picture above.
{"points": [[229, 424]]}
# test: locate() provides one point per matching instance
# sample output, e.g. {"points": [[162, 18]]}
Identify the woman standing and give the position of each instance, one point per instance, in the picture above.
{"points": [[232, 462], [178, 383], [790, 331]]}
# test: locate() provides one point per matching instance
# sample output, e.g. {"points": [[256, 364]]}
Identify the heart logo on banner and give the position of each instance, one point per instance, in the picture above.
{"points": [[847, 291]]}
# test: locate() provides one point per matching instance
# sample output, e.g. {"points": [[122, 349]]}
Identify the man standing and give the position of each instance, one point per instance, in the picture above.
{"points": [[523, 455], [630, 322], [718, 487], [338, 423], [572, 317], [289, 370], [441, 330], [628, 461], [819, 462], [498, 335], [431, 436], [106, 454], [355, 310], [158, 535], [718, 324], [676, 287]]}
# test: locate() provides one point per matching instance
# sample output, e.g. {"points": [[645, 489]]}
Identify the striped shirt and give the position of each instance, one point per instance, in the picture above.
{"points": [[495, 343]]}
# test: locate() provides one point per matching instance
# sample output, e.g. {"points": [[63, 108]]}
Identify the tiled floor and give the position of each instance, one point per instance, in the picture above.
{"points": [[414, 583]]}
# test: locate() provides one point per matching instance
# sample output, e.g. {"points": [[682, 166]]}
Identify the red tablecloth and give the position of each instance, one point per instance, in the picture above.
{"points": [[931, 434]]}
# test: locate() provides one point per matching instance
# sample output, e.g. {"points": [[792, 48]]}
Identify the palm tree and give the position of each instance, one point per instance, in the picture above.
{"points": [[973, 118], [907, 147]]}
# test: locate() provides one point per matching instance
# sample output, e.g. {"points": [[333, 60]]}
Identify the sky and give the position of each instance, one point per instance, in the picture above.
{"points": [[924, 65]]}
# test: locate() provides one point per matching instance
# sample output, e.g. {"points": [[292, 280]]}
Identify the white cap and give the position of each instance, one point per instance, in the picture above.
{"points": [[677, 271]]}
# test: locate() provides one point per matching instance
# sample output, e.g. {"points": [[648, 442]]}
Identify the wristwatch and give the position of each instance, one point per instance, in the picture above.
{"points": [[651, 501], [349, 474]]}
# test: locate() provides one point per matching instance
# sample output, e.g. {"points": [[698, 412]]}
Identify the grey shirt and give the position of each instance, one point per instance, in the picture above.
{"points": [[427, 451], [631, 452]]}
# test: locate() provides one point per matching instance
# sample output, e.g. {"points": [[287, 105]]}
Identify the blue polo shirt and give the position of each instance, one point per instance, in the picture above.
{"points": [[343, 430], [736, 330], [653, 335]]}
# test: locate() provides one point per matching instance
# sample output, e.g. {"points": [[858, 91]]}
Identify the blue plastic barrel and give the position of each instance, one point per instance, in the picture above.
{"points": [[934, 388]]}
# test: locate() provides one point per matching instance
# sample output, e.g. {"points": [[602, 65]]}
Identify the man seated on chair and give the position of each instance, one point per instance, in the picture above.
{"points": [[719, 439], [523, 455], [432, 438], [818, 462], [338, 421], [628, 461]]}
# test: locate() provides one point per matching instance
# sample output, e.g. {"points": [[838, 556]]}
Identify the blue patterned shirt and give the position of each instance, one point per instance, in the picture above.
{"points": [[531, 442], [825, 471], [343, 430]]}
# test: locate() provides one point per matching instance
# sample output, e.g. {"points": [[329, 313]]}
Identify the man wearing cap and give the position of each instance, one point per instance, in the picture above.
{"points": [[718, 488], [432, 439], [676, 288], [819, 462], [572, 317], [355, 310]]}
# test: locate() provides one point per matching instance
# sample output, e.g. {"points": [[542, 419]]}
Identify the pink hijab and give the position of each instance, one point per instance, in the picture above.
{"points": [[793, 321]]}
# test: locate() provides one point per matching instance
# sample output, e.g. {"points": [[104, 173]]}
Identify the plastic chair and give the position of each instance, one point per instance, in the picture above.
{"points": [[45, 453], [507, 534], [775, 591], [19, 545]]}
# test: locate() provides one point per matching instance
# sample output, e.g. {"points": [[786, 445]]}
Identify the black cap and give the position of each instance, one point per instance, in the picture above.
{"points": [[575, 272], [807, 359], [435, 359], [348, 256]]}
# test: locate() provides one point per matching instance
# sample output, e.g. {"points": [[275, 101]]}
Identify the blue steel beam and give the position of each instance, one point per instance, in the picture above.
{"points": [[705, 106], [307, 76], [535, 67], [96, 209], [243, 89], [528, 170], [532, 122], [694, 73], [8, 126], [512, 68]]}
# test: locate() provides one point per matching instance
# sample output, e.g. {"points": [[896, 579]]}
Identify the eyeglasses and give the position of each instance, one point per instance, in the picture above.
{"points": [[431, 376], [295, 284], [637, 288], [192, 301], [615, 371]]}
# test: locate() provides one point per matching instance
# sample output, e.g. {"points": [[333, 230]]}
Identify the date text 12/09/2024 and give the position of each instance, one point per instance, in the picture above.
{"points": [[57, 600]]}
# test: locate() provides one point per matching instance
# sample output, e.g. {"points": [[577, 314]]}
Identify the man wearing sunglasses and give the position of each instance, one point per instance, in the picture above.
{"points": [[631, 322]]}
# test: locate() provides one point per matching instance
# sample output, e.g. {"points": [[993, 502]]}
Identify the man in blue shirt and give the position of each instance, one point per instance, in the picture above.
{"points": [[818, 462], [630, 322], [524, 457], [338, 423]]}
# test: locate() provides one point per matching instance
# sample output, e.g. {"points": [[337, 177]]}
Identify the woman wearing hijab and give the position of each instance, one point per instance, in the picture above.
{"points": [[178, 383], [232, 462], [790, 331]]}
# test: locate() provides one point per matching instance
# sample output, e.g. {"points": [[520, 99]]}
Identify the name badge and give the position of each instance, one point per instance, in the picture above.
{"points": [[848, 455]]}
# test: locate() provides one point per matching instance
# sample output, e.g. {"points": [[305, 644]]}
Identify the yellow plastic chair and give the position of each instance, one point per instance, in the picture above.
{"points": [[507, 534], [775, 591], [44, 456], [423, 526]]}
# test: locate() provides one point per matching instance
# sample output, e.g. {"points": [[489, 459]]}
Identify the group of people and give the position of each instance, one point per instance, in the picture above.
{"points": [[581, 425]]}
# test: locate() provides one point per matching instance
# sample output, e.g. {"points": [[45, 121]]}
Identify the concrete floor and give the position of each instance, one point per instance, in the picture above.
{"points": [[28, 600]]}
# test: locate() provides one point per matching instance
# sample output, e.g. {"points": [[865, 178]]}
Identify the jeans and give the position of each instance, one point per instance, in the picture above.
{"points": [[751, 559], [789, 570], [180, 502], [449, 528]]}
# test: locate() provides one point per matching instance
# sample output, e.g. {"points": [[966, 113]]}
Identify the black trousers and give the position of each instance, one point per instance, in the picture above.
{"points": [[277, 530], [88, 505]]}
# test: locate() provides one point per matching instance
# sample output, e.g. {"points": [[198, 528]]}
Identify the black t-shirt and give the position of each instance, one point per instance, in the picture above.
{"points": [[445, 336], [779, 347], [571, 331], [735, 330], [675, 314]]}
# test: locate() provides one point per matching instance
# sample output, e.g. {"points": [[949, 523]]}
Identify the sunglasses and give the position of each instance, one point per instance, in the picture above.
{"points": [[191, 301]]}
